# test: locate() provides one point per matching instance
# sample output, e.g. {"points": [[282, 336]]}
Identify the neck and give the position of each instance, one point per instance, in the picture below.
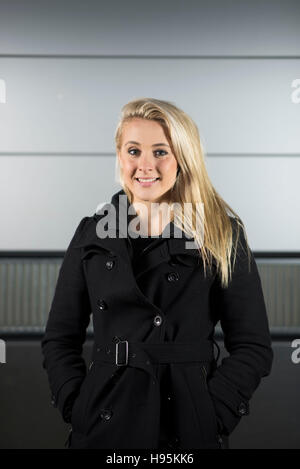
{"points": [[153, 217]]}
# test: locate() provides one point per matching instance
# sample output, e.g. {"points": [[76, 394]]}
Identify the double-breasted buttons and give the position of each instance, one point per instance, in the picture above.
{"points": [[101, 304], [53, 400], [106, 414], [157, 320], [173, 276], [109, 264], [243, 409]]}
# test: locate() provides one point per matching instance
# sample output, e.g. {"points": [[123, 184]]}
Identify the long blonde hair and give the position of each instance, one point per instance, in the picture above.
{"points": [[192, 184]]}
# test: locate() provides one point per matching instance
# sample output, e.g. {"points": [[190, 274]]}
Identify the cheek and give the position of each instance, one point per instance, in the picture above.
{"points": [[168, 170], [129, 168]]}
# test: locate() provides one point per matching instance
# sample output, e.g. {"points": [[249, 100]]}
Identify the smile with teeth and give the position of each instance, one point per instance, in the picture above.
{"points": [[146, 180]]}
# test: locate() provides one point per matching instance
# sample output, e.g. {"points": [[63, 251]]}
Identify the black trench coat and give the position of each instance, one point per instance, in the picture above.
{"points": [[158, 324]]}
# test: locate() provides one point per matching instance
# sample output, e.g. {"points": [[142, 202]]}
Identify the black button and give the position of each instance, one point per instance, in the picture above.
{"points": [[220, 441], [101, 304], [173, 263], [173, 276], [91, 364], [109, 264], [106, 414], [243, 408], [53, 400], [157, 320], [172, 443]]}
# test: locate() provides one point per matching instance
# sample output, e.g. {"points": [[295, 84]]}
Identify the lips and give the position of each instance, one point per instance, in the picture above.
{"points": [[146, 179], [146, 182]]}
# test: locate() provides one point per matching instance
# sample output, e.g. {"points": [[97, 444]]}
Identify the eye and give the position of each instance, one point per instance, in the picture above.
{"points": [[156, 151], [162, 151], [132, 149]]}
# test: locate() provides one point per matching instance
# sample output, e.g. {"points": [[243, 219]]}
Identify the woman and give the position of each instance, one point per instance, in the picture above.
{"points": [[158, 267]]}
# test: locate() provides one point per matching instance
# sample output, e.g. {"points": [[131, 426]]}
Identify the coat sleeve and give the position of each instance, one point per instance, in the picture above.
{"points": [[65, 330], [243, 318]]}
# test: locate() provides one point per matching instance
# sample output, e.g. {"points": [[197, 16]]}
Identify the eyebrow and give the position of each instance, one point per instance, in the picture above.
{"points": [[155, 144]]}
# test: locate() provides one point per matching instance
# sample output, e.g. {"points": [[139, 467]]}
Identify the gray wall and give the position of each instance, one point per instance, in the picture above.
{"points": [[70, 66]]}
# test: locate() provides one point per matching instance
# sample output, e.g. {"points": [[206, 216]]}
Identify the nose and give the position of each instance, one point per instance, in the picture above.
{"points": [[146, 163]]}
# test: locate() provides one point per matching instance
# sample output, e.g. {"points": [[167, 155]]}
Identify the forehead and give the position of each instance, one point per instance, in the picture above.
{"points": [[143, 131]]}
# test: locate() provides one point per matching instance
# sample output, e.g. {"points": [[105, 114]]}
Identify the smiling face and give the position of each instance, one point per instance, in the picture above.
{"points": [[145, 154]]}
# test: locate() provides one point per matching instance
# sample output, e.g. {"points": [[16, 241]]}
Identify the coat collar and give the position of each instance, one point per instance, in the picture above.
{"points": [[116, 241]]}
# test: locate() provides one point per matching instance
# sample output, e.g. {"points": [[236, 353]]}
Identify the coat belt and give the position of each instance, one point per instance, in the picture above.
{"points": [[146, 355]]}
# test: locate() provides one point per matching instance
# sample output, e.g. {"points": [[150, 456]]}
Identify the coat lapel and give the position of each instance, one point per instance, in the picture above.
{"points": [[116, 242], [90, 242]]}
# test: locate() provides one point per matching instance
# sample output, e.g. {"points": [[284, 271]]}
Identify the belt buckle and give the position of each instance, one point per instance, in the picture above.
{"points": [[117, 351]]}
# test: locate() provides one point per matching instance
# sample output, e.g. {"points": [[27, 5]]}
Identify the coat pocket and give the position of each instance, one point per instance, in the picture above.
{"points": [[81, 401], [95, 394], [219, 436], [204, 407], [209, 400]]}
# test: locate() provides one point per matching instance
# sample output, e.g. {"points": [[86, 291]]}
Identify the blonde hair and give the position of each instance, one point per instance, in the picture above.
{"points": [[192, 184]]}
